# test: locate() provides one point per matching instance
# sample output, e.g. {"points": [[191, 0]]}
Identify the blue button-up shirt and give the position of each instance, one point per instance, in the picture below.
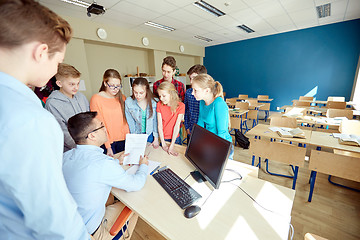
{"points": [[191, 109], [90, 175], [34, 200], [134, 117]]}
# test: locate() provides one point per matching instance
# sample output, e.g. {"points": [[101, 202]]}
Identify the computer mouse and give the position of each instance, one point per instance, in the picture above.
{"points": [[192, 211]]}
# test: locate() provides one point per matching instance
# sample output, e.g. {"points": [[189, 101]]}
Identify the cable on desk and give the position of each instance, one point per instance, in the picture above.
{"points": [[187, 176], [232, 170]]}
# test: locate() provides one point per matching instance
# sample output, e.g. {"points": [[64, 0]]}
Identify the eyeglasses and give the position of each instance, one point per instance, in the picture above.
{"points": [[102, 126], [113, 87]]}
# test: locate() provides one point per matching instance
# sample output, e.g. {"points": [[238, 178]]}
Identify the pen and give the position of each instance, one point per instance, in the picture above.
{"points": [[163, 168], [152, 172]]}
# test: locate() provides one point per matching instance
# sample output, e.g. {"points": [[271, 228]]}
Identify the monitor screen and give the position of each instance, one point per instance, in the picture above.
{"points": [[208, 153]]}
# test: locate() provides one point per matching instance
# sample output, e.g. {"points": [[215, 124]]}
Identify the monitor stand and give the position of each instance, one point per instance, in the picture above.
{"points": [[198, 177]]}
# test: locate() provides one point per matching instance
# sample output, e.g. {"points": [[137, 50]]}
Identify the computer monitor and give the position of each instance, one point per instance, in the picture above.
{"points": [[208, 153]]}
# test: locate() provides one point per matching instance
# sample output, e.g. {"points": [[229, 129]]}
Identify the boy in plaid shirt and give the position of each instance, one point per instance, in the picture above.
{"points": [[191, 104], [168, 71]]}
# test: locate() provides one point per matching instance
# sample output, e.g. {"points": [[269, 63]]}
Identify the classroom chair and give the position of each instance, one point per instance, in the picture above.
{"points": [[263, 97], [252, 115], [283, 146], [332, 113], [243, 97], [283, 122], [336, 104], [231, 102], [306, 98], [120, 226], [336, 99], [242, 105], [252, 102], [298, 103], [347, 127]]}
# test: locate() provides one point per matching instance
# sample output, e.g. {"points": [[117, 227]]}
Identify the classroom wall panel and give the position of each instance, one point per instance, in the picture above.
{"points": [[103, 56], [288, 65]]}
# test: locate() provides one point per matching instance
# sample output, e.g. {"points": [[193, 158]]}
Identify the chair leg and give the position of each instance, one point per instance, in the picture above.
{"points": [[312, 184], [276, 174], [340, 185]]}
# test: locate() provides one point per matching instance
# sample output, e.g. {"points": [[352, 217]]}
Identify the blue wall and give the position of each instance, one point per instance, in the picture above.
{"points": [[288, 65]]}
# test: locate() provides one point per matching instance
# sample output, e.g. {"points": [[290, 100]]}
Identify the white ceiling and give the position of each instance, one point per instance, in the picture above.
{"points": [[266, 17]]}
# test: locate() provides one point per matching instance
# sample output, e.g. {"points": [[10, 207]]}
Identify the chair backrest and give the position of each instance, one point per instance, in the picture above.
{"points": [[259, 97], [252, 101], [298, 103], [243, 96], [252, 114], [231, 101], [306, 98], [350, 127], [331, 113], [335, 104], [336, 99], [295, 111], [283, 122], [242, 105], [266, 106]]}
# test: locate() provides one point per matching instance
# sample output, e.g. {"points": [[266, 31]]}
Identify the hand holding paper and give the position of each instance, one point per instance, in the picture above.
{"points": [[135, 145]]}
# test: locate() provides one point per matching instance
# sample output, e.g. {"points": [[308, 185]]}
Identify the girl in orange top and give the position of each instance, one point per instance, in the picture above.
{"points": [[109, 103], [170, 111]]}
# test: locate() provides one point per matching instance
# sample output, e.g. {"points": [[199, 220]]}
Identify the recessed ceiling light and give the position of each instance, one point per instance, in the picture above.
{"points": [[78, 3], [323, 10], [203, 38], [246, 28], [160, 26], [209, 8]]}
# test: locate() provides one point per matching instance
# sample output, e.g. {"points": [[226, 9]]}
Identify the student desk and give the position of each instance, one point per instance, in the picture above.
{"points": [[267, 144], [325, 159], [228, 213]]}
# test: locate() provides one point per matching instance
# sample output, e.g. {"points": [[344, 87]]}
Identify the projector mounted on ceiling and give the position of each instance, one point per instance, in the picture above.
{"points": [[95, 9]]}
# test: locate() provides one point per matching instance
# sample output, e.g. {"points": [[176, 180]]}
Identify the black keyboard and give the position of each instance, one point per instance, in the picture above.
{"points": [[178, 189]]}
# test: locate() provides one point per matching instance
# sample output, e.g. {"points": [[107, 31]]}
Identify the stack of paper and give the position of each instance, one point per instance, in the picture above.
{"points": [[288, 132], [347, 139]]}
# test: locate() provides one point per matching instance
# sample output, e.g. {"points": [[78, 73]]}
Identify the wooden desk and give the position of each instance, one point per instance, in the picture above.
{"points": [[345, 165], [265, 143], [227, 214]]}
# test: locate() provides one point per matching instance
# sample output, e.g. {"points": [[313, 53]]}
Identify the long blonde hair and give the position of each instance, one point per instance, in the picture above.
{"points": [[174, 97], [206, 81], [112, 73]]}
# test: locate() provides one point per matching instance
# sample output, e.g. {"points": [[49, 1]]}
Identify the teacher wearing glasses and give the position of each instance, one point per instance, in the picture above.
{"points": [[109, 103]]}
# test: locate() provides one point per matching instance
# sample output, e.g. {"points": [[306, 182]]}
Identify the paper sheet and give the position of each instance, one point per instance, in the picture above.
{"points": [[135, 145], [152, 166]]}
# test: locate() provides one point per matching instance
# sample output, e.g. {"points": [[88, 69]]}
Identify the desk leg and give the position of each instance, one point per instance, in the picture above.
{"points": [[312, 184]]}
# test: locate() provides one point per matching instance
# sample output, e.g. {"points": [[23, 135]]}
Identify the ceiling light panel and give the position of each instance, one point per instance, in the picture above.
{"points": [[323, 10], [209, 8], [78, 3], [246, 28], [203, 38], [160, 26]]}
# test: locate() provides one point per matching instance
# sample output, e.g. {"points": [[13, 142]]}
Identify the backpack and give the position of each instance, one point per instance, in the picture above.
{"points": [[242, 140]]}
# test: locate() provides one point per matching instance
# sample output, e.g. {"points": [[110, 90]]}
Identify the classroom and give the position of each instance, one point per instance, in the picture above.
{"points": [[285, 68]]}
